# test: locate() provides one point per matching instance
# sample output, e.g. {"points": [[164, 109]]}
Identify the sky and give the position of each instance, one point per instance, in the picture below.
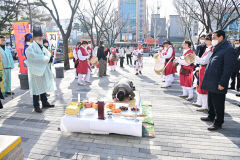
{"points": [[166, 7]]}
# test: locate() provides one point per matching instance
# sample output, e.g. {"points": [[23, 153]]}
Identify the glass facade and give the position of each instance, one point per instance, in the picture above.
{"points": [[132, 12], [128, 15]]}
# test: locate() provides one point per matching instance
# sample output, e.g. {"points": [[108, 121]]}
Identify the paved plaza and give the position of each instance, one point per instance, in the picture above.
{"points": [[179, 132]]}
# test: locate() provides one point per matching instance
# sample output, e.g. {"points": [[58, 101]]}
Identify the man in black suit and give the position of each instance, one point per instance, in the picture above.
{"points": [[202, 46], [217, 77], [235, 74]]}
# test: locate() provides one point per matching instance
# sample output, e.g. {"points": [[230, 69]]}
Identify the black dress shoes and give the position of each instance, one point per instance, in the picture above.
{"points": [[214, 128], [48, 106], [206, 119], [10, 93], [38, 110]]}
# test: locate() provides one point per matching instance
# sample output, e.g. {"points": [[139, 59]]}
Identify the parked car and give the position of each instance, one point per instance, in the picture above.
{"points": [[155, 50], [59, 55]]}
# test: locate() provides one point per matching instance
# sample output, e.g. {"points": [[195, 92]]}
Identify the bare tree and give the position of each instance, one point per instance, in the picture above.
{"points": [[32, 12], [210, 12], [236, 7], [91, 18], [111, 28], [186, 21], [225, 13], [73, 4], [9, 11]]}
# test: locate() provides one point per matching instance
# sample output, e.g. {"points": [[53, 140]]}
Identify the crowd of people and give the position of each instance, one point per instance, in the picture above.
{"points": [[87, 58], [211, 66], [215, 61]]}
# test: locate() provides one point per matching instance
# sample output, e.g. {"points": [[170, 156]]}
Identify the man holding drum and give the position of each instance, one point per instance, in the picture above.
{"points": [[186, 72], [169, 55]]}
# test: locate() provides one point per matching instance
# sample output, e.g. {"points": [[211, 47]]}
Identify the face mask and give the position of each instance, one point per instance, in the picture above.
{"points": [[202, 41], [39, 42], [46, 46], [214, 42], [160, 48], [237, 45], [3, 43]]}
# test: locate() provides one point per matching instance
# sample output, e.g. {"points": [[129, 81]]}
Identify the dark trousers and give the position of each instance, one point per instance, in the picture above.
{"points": [[216, 107], [129, 58], [43, 99], [121, 61], [234, 76], [102, 68]]}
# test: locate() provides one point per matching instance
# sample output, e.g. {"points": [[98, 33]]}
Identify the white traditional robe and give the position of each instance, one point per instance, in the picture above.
{"points": [[8, 64], [40, 76]]}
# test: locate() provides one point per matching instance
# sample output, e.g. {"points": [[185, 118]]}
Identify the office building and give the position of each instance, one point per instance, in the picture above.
{"points": [[132, 15]]}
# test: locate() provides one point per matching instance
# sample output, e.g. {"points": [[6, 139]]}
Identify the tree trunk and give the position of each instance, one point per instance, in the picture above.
{"points": [[30, 16], [10, 37], [65, 53]]}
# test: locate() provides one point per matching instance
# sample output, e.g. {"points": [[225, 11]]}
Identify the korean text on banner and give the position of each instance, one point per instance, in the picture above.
{"points": [[53, 38], [20, 29]]}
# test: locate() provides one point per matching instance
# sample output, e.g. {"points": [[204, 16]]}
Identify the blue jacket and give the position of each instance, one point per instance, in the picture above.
{"points": [[220, 68]]}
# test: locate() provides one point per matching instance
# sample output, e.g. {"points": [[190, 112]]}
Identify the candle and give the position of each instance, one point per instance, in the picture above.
{"points": [[78, 97]]}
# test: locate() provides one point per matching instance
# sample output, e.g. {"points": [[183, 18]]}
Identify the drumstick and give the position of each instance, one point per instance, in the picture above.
{"points": [[167, 64]]}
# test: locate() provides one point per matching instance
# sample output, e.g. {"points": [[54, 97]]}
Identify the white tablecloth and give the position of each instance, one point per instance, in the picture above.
{"points": [[91, 124]]}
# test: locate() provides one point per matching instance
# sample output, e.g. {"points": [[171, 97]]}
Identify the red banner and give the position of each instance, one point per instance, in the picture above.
{"points": [[20, 29]]}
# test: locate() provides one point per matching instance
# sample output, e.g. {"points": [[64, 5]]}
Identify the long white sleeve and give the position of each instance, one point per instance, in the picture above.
{"points": [[182, 62], [81, 57], [74, 54], [204, 60], [169, 53]]}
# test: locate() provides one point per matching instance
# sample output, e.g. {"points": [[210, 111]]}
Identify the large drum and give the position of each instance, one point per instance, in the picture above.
{"points": [[159, 64], [189, 58], [94, 61], [113, 57]]}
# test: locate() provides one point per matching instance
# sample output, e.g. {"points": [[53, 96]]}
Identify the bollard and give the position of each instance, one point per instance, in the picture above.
{"points": [[59, 72], [23, 81]]}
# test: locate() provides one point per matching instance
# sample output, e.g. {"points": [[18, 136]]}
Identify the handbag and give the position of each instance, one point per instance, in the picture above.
{"points": [[76, 63]]}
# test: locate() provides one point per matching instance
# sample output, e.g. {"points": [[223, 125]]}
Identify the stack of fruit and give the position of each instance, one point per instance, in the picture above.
{"points": [[72, 110]]}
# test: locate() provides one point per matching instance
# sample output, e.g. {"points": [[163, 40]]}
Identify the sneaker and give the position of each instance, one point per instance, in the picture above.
{"points": [[80, 84], [87, 82], [140, 72], [189, 98], [165, 86], [183, 96], [202, 109], [136, 74], [197, 105]]}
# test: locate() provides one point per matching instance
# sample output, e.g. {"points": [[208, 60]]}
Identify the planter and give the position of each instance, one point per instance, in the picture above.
{"points": [[59, 72], [23, 81]]}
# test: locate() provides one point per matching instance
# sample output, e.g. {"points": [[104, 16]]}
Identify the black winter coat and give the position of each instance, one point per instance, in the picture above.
{"points": [[201, 49], [101, 54], [220, 68], [237, 68]]}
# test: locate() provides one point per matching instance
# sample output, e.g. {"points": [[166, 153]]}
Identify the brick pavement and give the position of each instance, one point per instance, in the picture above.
{"points": [[179, 132]]}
